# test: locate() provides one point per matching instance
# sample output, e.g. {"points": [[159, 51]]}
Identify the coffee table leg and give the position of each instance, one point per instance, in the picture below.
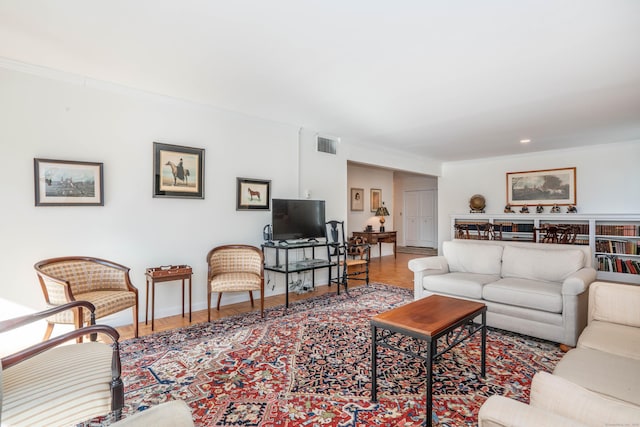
{"points": [[484, 343], [374, 356], [429, 402]]}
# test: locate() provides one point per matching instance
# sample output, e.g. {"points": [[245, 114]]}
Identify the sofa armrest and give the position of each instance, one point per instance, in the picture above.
{"points": [[615, 303], [578, 282], [174, 413], [552, 393], [423, 265], [499, 411]]}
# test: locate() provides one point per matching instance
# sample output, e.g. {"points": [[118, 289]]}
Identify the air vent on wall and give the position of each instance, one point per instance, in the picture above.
{"points": [[326, 144]]}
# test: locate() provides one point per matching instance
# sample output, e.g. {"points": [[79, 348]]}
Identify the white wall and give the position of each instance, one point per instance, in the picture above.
{"points": [[606, 180], [56, 115], [88, 121], [359, 176]]}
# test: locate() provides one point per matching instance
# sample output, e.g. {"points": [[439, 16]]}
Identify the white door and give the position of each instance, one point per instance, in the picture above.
{"points": [[419, 218]]}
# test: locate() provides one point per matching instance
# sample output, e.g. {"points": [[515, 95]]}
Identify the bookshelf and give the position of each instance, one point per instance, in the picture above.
{"points": [[614, 238]]}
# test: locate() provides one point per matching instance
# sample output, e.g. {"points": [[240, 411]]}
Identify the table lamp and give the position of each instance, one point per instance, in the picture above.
{"points": [[382, 211]]}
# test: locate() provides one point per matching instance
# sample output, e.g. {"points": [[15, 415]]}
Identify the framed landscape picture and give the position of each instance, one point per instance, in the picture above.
{"points": [[68, 183], [178, 171], [253, 194], [542, 187], [357, 199]]}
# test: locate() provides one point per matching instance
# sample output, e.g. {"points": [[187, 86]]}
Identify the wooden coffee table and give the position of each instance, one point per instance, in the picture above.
{"points": [[428, 319]]}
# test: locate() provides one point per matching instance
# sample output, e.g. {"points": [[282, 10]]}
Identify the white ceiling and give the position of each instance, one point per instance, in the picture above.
{"points": [[450, 80]]}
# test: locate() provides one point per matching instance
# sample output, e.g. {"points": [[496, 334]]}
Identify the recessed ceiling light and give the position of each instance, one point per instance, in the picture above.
{"points": [[525, 141]]}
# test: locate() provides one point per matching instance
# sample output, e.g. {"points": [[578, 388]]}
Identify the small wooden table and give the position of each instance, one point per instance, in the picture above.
{"points": [[379, 237], [428, 319], [168, 273]]}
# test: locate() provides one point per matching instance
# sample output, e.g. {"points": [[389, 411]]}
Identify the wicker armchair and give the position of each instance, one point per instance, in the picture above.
{"points": [[53, 384], [103, 283], [235, 268]]}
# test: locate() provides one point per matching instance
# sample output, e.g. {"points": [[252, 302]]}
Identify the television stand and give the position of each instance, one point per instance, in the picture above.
{"points": [[287, 267]]}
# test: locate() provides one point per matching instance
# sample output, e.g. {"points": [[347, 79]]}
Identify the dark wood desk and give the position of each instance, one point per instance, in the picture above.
{"points": [[166, 274], [379, 237]]}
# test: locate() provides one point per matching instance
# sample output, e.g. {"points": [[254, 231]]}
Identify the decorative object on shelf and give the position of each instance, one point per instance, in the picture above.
{"points": [[555, 209], [572, 209], [507, 209], [253, 194], [178, 171], [68, 183], [357, 199], [477, 203], [382, 212], [542, 187], [524, 209], [375, 198], [539, 209]]}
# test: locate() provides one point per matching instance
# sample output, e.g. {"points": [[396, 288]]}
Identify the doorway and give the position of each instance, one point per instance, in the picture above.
{"points": [[420, 218]]}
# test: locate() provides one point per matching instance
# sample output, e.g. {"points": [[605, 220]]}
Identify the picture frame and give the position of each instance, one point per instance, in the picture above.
{"points": [[68, 183], [178, 171], [357, 199], [253, 194], [375, 199], [545, 187]]}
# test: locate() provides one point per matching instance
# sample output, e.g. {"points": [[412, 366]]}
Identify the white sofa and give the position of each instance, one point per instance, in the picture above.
{"points": [[595, 384], [535, 289]]}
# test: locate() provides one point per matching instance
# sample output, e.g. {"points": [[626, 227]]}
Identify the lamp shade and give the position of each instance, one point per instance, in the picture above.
{"points": [[382, 211]]}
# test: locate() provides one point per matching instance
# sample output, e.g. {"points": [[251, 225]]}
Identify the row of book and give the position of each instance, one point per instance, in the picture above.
{"points": [[618, 230], [618, 265], [628, 247]]}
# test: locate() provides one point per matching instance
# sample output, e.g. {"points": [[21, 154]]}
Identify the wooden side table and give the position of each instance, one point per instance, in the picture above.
{"points": [[167, 273], [379, 237]]}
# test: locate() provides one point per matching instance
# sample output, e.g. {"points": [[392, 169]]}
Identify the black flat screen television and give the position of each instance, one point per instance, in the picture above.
{"points": [[297, 219]]}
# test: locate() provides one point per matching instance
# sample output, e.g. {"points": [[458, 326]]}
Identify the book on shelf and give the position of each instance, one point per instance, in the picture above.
{"points": [[618, 230]]}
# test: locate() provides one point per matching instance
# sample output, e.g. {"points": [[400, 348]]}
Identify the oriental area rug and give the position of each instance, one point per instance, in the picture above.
{"points": [[309, 365]]}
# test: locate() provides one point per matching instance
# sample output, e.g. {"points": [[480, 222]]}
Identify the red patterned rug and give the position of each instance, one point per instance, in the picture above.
{"points": [[309, 365]]}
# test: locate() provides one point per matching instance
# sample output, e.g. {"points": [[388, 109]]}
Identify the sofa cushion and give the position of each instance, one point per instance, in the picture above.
{"points": [[467, 285], [616, 303], [611, 338], [465, 257], [605, 373], [541, 264], [535, 294]]}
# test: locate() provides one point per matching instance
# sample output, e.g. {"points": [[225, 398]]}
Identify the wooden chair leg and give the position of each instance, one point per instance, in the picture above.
{"points": [[219, 298], [251, 297], [209, 305], [47, 333], [135, 320], [79, 321], [262, 303]]}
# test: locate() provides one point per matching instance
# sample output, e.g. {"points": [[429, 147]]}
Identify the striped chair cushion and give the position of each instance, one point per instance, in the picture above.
{"points": [[228, 282], [84, 276], [106, 302], [230, 260], [62, 386]]}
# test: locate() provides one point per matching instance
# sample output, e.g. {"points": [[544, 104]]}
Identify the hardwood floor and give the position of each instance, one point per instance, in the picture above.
{"points": [[387, 270]]}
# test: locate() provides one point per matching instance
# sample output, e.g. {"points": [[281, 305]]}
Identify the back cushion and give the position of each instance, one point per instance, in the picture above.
{"points": [[616, 304], [548, 265], [464, 257]]}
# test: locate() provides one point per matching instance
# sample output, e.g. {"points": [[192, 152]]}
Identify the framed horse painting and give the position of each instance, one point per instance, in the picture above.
{"points": [[178, 171], [253, 194]]}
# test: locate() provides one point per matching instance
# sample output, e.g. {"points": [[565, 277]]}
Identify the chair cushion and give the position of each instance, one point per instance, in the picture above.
{"points": [[541, 264], [468, 257], [546, 296], [62, 386], [467, 285], [611, 338], [106, 303], [605, 373], [229, 282]]}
